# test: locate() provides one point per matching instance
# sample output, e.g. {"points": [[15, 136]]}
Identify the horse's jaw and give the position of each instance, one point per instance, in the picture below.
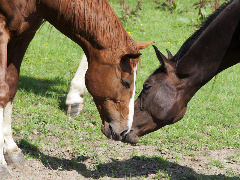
{"points": [[143, 124]]}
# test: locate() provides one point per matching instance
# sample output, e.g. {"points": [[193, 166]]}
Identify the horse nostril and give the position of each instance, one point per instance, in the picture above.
{"points": [[110, 127], [124, 133], [108, 120]]}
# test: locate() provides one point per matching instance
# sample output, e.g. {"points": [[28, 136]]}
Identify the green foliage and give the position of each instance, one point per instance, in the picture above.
{"points": [[170, 6], [166, 6], [128, 13], [202, 8], [162, 174]]}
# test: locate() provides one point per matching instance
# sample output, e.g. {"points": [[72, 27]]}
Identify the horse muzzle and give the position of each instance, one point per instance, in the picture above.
{"points": [[131, 138], [112, 131]]}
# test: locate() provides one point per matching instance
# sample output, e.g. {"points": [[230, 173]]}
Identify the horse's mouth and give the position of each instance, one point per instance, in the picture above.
{"points": [[121, 137], [131, 138], [112, 133], [126, 136]]}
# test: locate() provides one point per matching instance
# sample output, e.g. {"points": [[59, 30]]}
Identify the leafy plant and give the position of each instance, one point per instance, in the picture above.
{"points": [[202, 13], [201, 6], [168, 5], [162, 175], [214, 4], [128, 13]]}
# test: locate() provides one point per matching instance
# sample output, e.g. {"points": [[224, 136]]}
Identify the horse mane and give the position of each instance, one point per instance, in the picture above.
{"points": [[190, 41], [96, 22]]}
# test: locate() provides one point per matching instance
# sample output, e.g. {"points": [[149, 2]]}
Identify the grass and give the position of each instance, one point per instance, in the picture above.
{"points": [[213, 115]]}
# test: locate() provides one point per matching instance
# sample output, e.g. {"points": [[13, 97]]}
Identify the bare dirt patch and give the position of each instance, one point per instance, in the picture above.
{"points": [[122, 161]]}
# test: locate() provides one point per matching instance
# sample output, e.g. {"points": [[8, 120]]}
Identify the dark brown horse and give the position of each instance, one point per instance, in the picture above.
{"points": [[166, 93], [111, 52]]}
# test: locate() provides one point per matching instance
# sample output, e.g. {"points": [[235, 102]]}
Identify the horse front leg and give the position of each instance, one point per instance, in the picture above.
{"points": [[12, 154], [4, 90], [3, 166], [75, 101], [16, 49]]}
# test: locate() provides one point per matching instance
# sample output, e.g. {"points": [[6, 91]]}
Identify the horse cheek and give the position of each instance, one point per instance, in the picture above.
{"points": [[180, 115]]}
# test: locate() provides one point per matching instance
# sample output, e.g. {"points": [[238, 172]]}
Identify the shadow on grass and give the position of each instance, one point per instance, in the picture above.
{"points": [[137, 166], [50, 88]]}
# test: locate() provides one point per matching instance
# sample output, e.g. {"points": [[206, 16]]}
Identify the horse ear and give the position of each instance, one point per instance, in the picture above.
{"points": [[132, 56], [160, 57], [166, 65], [170, 56], [143, 44], [127, 64]]}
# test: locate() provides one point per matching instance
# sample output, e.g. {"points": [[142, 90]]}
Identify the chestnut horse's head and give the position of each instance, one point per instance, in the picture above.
{"points": [[110, 79]]}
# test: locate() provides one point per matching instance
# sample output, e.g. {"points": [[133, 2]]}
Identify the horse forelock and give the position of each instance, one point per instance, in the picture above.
{"points": [[190, 41]]}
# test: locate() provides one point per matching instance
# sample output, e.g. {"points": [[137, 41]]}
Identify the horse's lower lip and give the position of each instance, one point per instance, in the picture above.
{"points": [[106, 131], [130, 138], [124, 134]]}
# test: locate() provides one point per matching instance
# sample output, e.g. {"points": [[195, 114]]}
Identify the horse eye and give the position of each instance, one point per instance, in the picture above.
{"points": [[146, 87], [125, 83]]}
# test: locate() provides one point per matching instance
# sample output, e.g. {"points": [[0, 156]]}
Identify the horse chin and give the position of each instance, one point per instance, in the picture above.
{"points": [[112, 131], [127, 137], [180, 115], [106, 131]]}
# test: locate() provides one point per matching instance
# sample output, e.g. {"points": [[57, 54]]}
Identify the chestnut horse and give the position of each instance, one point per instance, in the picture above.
{"points": [[111, 52], [166, 93]]}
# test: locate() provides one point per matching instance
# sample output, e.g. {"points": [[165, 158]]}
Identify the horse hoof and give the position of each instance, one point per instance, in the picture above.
{"points": [[15, 160], [75, 109], [4, 174]]}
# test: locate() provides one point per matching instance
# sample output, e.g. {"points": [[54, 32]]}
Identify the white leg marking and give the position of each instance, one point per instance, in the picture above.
{"points": [[2, 160], [78, 88], [131, 103], [9, 145]]}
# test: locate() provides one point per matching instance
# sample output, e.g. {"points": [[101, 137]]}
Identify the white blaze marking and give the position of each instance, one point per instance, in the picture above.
{"points": [[131, 103]]}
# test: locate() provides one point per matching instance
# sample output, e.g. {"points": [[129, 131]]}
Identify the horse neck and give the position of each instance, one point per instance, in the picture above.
{"points": [[216, 49], [232, 56], [88, 23], [195, 82]]}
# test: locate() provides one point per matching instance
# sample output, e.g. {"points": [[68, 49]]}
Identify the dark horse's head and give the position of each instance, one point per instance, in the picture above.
{"points": [[161, 101], [166, 92]]}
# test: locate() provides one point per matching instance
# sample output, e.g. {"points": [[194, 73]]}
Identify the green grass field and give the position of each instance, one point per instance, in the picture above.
{"points": [[212, 120]]}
